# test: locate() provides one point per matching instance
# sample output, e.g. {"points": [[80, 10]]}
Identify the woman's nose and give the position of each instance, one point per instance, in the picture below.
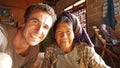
{"points": [[64, 35]]}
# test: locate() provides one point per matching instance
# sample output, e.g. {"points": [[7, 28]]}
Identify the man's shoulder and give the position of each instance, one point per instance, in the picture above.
{"points": [[10, 30], [5, 25]]}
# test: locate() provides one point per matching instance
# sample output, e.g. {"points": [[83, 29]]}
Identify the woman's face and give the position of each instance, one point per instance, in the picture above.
{"points": [[64, 35]]}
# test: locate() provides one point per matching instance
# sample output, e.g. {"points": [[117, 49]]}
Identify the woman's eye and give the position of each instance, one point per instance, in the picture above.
{"points": [[58, 31]]}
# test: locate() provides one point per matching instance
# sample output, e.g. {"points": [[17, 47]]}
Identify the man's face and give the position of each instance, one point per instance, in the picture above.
{"points": [[37, 27]]}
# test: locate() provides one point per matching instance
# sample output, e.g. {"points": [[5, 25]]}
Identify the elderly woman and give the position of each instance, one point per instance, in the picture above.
{"points": [[73, 48]]}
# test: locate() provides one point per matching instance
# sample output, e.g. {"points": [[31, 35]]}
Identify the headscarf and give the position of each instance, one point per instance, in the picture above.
{"points": [[79, 32]]}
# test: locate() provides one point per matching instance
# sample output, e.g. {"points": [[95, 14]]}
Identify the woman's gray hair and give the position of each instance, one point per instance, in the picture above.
{"points": [[3, 39], [40, 6], [79, 32]]}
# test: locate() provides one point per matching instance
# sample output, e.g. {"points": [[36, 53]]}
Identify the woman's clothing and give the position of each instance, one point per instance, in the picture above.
{"points": [[82, 56]]}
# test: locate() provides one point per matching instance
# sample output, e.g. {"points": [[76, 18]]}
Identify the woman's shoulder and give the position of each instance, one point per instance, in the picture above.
{"points": [[51, 47], [82, 46]]}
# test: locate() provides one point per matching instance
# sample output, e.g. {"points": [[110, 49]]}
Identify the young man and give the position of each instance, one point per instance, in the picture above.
{"points": [[23, 44]]}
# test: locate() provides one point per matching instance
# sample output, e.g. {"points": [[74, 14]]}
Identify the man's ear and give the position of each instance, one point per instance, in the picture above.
{"points": [[22, 24]]}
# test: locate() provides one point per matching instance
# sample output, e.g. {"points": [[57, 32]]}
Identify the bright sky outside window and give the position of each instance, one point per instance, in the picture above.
{"points": [[77, 3]]}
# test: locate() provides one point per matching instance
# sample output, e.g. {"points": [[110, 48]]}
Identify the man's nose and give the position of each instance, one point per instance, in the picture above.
{"points": [[39, 29]]}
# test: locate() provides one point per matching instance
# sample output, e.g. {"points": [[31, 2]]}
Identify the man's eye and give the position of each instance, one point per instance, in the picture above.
{"points": [[34, 21], [68, 31], [45, 27]]}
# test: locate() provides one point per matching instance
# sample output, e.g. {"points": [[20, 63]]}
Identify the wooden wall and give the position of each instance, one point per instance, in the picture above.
{"points": [[95, 15], [17, 7]]}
